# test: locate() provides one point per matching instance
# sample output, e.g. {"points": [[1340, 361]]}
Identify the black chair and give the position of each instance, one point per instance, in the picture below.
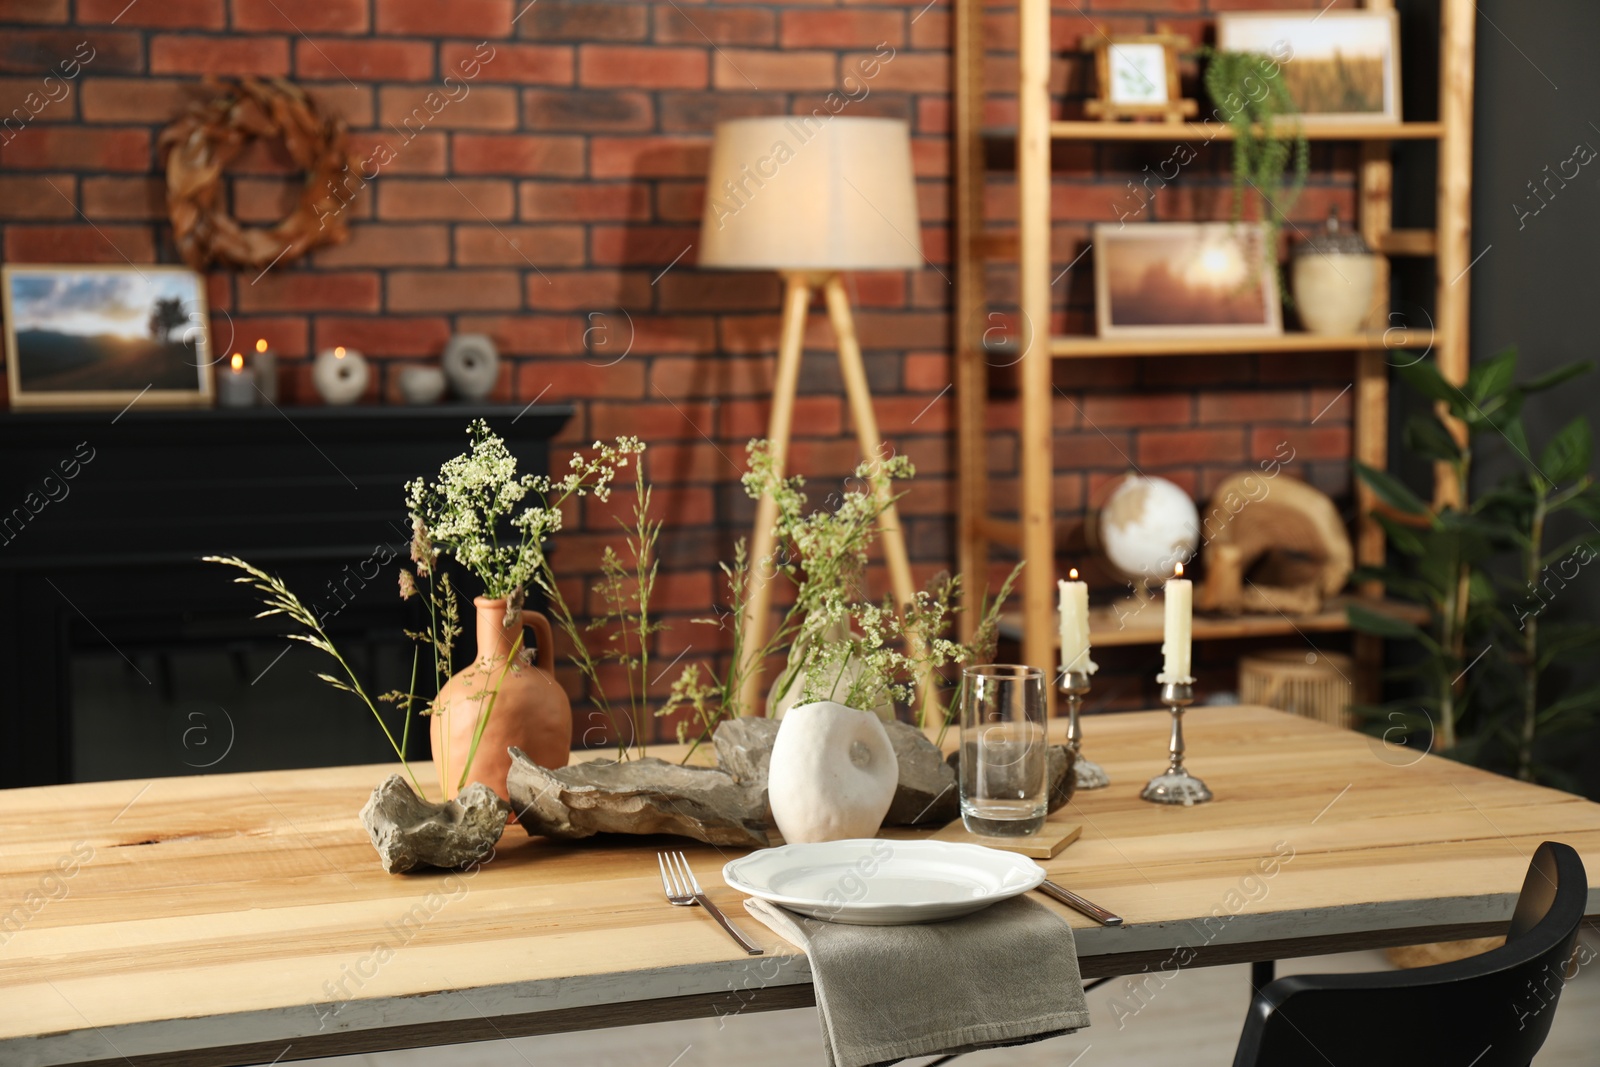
{"points": [[1492, 1010]]}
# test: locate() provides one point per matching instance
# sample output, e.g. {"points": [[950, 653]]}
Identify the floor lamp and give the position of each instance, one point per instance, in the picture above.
{"points": [[811, 196]]}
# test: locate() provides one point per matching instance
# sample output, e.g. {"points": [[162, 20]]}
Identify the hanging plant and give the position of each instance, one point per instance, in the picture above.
{"points": [[1248, 90]]}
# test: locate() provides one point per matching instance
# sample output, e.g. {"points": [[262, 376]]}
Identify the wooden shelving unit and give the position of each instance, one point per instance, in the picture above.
{"points": [[1028, 246]]}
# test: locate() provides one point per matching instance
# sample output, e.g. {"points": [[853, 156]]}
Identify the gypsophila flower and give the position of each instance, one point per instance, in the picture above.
{"points": [[476, 510]]}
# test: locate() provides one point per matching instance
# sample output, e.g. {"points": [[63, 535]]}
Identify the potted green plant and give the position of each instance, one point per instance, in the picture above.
{"points": [[1484, 677], [1248, 91]]}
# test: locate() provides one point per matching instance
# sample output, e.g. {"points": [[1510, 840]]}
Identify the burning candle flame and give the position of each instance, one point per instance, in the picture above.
{"points": [[1180, 571], [1073, 574], [261, 345], [237, 362], [338, 353]]}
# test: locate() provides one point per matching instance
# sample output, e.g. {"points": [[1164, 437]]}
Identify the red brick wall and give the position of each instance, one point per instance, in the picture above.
{"points": [[563, 190]]}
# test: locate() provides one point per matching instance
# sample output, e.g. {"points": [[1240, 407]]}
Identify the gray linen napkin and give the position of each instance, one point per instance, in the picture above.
{"points": [[1006, 975]]}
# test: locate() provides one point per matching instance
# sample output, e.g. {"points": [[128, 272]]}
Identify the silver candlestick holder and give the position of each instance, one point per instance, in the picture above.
{"points": [[1086, 773], [1176, 785]]}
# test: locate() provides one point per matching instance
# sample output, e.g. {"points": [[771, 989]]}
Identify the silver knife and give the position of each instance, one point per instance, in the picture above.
{"points": [[1078, 904]]}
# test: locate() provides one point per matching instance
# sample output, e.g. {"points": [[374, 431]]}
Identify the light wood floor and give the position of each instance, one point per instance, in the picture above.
{"points": [[1194, 1020]]}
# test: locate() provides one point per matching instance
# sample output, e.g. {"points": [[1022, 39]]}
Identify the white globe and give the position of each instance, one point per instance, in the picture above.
{"points": [[1147, 526]]}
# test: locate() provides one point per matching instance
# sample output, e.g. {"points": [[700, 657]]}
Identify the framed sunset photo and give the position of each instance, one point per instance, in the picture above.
{"points": [[97, 336], [1182, 279]]}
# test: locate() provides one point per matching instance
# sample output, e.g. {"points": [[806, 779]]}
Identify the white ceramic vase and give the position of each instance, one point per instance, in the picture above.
{"points": [[1334, 291], [340, 375], [832, 774]]}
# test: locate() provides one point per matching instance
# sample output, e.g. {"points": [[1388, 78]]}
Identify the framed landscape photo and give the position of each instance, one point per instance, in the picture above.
{"points": [[1340, 65], [97, 336], [1184, 279]]}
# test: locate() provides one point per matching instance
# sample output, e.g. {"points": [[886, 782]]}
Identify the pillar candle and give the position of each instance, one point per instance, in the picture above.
{"points": [[1178, 597], [1075, 625], [265, 365], [236, 386]]}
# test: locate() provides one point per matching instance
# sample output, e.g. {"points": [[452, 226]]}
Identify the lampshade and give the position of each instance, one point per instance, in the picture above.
{"points": [[811, 192]]}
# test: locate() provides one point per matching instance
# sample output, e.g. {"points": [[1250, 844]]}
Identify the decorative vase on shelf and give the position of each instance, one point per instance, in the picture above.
{"points": [[832, 774], [1335, 279], [529, 710], [340, 375], [788, 685], [472, 363]]}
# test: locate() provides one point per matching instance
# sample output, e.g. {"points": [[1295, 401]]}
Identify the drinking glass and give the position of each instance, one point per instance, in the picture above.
{"points": [[1003, 750]]}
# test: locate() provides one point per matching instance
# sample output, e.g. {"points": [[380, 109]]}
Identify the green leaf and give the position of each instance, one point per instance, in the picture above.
{"points": [[1390, 490], [1557, 376], [1424, 377], [1426, 436], [1591, 540], [1367, 621], [1492, 377], [1581, 703], [1406, 539], [1557, 640], [1567, 455]]}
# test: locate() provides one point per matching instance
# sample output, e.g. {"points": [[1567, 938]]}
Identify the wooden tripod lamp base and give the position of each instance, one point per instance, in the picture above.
{"points": [[799, 287]]}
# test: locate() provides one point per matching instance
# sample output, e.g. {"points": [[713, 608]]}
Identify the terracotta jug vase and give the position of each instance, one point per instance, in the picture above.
{"points": [[530, 711]]}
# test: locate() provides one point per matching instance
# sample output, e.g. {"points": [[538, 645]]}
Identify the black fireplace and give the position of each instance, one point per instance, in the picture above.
{"points": [[122, 655]]}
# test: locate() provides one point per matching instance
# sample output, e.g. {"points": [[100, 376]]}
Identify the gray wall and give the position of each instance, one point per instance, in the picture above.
{"points": [[1537, 285]]}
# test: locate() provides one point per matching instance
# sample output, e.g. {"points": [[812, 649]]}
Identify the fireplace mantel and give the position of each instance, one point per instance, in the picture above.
{"points": [[103, 518]]}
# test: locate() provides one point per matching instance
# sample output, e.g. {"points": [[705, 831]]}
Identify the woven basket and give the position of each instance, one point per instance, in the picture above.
{"points": [[1315, 685]]}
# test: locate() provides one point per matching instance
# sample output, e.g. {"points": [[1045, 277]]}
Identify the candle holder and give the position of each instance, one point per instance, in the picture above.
{"points": [[1176, 785], [1086, 773]]}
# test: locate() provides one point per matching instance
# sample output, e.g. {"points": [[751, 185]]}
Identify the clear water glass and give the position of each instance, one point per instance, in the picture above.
{"points": [[1003, 750]]}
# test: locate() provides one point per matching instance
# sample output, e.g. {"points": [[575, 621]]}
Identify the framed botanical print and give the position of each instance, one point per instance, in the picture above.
{"points": [[1137, 76]]}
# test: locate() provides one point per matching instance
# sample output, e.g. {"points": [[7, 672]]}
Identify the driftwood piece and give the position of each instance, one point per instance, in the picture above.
{"points": [[410, 832], [641, 796], [724, 805], [1272, 545]]}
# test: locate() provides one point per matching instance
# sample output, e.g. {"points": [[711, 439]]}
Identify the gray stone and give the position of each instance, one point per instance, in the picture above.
{"points": [[744, 748], [1058, 772], [927, 789], [1058, 776], [410, 832], [641, 796]]}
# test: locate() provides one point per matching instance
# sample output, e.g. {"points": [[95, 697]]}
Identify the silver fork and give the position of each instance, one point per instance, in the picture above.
{"points": [[683, 889]]}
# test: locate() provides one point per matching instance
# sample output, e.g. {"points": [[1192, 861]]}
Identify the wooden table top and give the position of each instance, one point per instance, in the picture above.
{"points": [[231, 919]]}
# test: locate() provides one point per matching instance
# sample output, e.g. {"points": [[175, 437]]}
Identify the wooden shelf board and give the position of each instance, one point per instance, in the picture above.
{"points": [[1085, 130], [1107, 630], [1066, 347]]}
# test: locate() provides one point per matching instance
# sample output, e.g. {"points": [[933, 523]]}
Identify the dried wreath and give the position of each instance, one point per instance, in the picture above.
{"points": [[211, 133]]}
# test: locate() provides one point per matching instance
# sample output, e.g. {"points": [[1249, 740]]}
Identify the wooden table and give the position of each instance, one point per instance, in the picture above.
{"points": [[235, 919]]}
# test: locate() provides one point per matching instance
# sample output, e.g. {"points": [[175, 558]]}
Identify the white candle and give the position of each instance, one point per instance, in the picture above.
{"points": [[265, 365], [1178, 597], [236, 388], [1075, 625]]}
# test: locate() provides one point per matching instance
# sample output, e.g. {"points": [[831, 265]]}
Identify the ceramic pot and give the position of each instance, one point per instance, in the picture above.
{"points": [[1334, 292], [832, 774], [421, 385], [530, 710]]}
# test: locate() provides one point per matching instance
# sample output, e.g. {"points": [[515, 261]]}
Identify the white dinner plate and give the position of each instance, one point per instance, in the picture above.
{"points": [[883, 883]]}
